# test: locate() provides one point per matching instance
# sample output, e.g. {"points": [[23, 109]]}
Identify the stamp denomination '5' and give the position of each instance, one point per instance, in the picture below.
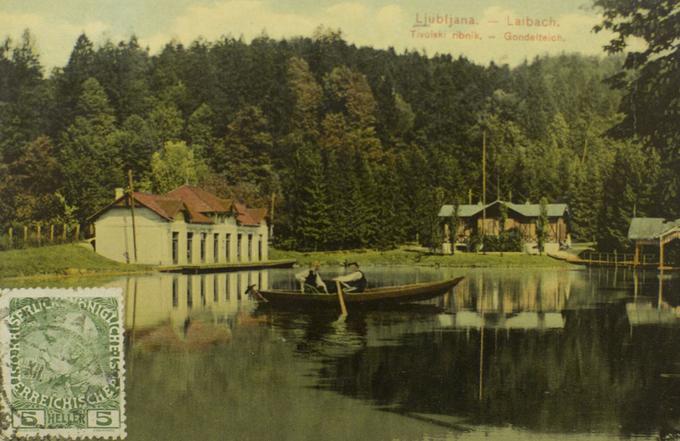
{"points": [[62, 361]]}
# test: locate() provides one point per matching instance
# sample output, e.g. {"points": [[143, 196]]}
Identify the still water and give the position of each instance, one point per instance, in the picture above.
{"points": [[508, 354]]}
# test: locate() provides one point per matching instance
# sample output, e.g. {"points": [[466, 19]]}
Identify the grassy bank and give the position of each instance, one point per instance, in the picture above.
{"points": [[419, 258], [78, 260], [60, 260]]}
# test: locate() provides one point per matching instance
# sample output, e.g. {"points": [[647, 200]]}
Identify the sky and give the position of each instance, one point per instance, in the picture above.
{"points": [[503, 31]]}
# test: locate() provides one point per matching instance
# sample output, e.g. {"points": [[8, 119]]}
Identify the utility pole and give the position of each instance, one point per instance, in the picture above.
{"points": [[271, 216], [498, 182], [483, 187], [131, 199]]}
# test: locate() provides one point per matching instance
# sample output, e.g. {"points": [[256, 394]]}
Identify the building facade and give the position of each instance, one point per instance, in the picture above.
{"points": [[187, 226], [477, 219]]}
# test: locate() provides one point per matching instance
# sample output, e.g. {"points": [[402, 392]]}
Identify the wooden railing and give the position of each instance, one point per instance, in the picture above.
{"points": [[36, 235], [619, 258]]}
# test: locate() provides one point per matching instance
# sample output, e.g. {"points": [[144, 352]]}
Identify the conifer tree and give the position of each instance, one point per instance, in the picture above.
{"points": [[69, 82], [339, 179], [309, 206], [136, 143], [364, 199], [91, 161], [629, 188], [201, 132]]}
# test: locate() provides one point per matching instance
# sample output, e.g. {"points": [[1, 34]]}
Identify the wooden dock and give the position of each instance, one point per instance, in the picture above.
{"points": [[225, 267], [597, 259]]}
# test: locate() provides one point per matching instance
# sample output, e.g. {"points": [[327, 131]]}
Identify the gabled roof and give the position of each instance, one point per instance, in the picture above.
{"points": [[250, 217], [164, 206], [534, 210], [527, 210], [642, 228], [257, 214], [197, 202]]}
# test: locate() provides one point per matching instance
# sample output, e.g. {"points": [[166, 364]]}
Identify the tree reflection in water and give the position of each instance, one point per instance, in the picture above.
{"points": [[562, 352]]}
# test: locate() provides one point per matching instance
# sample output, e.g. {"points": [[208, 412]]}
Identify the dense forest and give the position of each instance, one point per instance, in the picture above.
{"points": [[355, 146]]}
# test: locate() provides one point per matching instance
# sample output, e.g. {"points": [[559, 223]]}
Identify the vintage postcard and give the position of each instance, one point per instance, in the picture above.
{"points": [[340, 220]]}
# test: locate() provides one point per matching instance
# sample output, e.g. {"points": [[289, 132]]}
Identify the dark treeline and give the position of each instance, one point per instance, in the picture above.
{"points": [[359, 146]]}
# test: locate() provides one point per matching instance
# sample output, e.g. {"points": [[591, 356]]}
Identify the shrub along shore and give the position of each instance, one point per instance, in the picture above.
{"points": [[77, 260]]}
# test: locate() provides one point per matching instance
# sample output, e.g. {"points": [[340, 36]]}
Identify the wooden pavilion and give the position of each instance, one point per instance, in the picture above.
{"points": [[646, 231]]}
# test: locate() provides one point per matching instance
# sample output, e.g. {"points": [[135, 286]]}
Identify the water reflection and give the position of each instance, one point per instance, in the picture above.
{"points": [[171, 299], [531, 350], [509, 354], [665, 309]]}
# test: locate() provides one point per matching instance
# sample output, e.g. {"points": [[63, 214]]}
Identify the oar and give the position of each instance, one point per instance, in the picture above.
{"points": [[341, 298]]}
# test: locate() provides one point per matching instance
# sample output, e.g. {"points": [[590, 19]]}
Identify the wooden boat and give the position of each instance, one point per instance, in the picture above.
{"points": [[370, 297]]}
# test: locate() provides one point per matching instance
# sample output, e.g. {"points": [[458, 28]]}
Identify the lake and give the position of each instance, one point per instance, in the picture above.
{"points": [[508, 354]]}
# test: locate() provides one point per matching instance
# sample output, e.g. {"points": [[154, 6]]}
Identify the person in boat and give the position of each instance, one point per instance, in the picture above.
{"points": [[354, 281], [311, 281]]}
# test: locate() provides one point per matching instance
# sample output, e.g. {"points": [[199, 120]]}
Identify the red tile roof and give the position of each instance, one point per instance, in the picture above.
{"points": [[244, 216], [196, 201], [164, 206], [257, 214], [199, 201]]}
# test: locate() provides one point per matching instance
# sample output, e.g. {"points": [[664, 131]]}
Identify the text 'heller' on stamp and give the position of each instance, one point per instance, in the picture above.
{"points": [[63, 366]]}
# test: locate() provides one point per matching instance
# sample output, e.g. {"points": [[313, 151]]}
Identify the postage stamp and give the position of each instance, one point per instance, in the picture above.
{"points": [[63, 369]]}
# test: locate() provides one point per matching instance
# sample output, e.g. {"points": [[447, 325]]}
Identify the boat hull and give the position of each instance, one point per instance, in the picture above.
{"points": [[370, 297]]}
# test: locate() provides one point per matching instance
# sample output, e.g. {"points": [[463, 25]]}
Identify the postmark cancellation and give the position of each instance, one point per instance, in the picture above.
{"points": [[63, 366]]}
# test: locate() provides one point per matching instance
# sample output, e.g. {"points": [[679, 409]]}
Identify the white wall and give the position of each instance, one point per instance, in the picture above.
{"points": [[154, 239], [114, 240]]}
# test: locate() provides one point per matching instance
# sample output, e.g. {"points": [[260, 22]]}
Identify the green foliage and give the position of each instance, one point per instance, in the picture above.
{"points": [[28, 185], [201, 132], [650, 81], [506, 241], [91, 162], [348, 92], [502, 217], [309, 209], [246, 151], [175, 165], [630, 190], [136, 143], [307, 96], [165, 123], [390, 136]]}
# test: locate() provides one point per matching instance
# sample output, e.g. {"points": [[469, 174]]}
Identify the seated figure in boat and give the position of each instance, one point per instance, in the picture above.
{"points": [[354, 281], [311, 281]]}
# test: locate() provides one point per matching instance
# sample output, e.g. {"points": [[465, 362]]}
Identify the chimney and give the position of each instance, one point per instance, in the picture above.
{"points": [[119, 193]]}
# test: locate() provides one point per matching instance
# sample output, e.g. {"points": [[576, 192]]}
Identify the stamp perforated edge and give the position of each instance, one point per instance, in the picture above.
{"points": [[5, 410]]}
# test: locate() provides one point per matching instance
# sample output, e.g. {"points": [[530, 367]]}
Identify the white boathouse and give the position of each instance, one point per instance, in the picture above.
{"points": [[186, 226]]}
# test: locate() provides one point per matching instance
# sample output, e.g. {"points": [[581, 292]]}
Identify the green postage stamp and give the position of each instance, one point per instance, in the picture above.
{"points": [[62, 362]]}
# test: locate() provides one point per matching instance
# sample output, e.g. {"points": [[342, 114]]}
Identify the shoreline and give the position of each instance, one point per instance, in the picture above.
{"points": [[420, 258], [71, 261]]}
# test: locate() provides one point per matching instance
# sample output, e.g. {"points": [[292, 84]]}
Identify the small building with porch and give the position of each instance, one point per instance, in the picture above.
{"points": [[652, 231], [186, 226], [477, 219]]}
